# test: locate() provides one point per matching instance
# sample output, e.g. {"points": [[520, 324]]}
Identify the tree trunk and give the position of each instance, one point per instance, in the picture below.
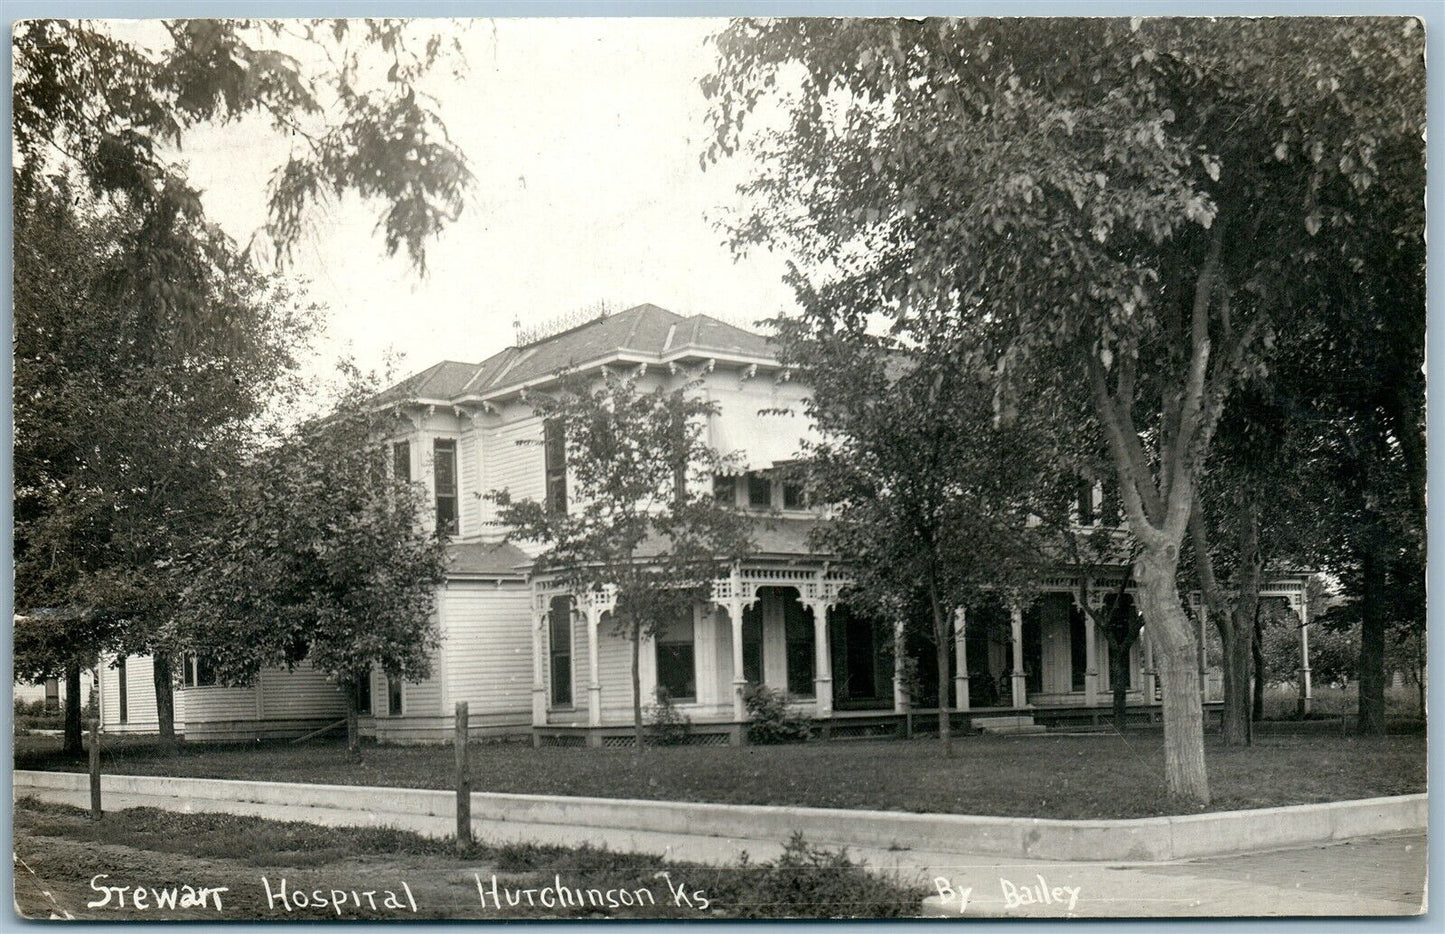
{"points": [[944, 643], [165, 702], [1155, 573], [1372, 646], [73, 745], [1237, 662], [353, 726], [1256, 647], [637, 689]]}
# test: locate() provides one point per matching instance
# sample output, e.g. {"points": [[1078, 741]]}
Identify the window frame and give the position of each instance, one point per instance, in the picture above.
{"points": [[554, 655], [758, 481], [554, 466], [122, 692], [673, 642], [395, 689], [444, 451], [401, 460], [361, 688], [795, 613], [191, 677]]}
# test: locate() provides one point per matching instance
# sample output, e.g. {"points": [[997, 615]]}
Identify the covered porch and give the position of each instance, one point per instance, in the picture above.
{"points": [[787, 627]]}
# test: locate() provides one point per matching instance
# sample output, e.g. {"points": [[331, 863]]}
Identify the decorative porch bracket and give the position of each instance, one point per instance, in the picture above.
{"points": [[595, 602], [817, 590], [541, 606]]}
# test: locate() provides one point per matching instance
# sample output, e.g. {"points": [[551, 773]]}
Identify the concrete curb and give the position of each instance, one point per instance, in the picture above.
{"points": [[1151, 839]]}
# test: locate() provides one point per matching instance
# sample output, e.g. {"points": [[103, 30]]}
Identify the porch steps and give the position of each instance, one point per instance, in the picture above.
{"points": [[1020, 725]]}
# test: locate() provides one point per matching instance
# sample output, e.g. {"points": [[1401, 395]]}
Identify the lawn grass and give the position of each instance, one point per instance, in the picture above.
{"points": [[148, 847], [1063, 776]]}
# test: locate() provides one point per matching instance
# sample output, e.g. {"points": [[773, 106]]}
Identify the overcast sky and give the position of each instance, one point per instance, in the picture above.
{"points": [[584, 136]]}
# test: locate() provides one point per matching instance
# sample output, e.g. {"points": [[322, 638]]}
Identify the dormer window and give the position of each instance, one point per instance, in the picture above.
{"points": [[444, 453], [1110, 508], [1085, 498], [760, 491], [554, 440], [401, 461]]}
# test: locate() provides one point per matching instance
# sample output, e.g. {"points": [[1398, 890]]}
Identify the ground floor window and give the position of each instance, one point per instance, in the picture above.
{"points": [[200, 671], [394, 696], [753, 643], [52, 693], [677, 662], [798, 624], [559, 631], [121, 690], [362, 690]]}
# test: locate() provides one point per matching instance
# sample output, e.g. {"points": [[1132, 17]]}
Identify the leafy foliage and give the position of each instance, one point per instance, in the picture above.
{"points": [[322, 556], [94, 100], [667, 726], [769, 718], [1128, 211], [928, 501]]}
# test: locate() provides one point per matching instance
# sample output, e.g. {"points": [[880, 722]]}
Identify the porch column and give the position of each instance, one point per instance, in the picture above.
{"points": [[1200, 619], [1305, 694], [1091, 660], [900, 690], [960, 658], [1020, 697], [539, 666], [822, 660], [594, 682], [735, 616], [1150, 685]]}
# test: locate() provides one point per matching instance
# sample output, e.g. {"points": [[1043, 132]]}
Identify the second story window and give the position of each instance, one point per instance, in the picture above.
{"points": [[1111, 510], [444, 453], [760, 491], [200, 671], [1085, 498], [401, 461], [555, 442], [725, 489], [793, 496]]}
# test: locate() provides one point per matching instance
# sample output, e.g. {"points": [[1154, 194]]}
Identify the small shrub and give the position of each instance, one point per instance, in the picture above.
{"points": [[666, 725], [807, 881], [769, 720]]}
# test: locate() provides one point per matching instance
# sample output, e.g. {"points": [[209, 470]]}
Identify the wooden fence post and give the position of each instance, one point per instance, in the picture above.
{"points": [[95, 769], [464, 779]]}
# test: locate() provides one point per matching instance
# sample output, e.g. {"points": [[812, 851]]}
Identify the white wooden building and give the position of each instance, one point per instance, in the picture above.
{"points": [[529, 658]]}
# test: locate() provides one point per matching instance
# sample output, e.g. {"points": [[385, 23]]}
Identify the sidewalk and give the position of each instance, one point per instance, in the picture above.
{"points": [[1368, 876]]}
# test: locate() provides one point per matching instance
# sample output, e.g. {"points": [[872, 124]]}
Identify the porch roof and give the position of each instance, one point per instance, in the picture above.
{"points": [[487, 559], [772, 537]]}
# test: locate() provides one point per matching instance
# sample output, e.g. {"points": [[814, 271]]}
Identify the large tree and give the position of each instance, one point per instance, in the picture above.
{"points": [[320, 555], [639, 517], [128, 411], [146, 339], [928, 504], [1133, 204]]}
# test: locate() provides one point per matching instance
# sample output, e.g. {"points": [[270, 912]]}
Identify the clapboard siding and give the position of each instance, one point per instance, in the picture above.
{"points": [[488, 658], [506, 465], [140, 695], [299, 693], [614, 663], [205, 704], [469, 485]]}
